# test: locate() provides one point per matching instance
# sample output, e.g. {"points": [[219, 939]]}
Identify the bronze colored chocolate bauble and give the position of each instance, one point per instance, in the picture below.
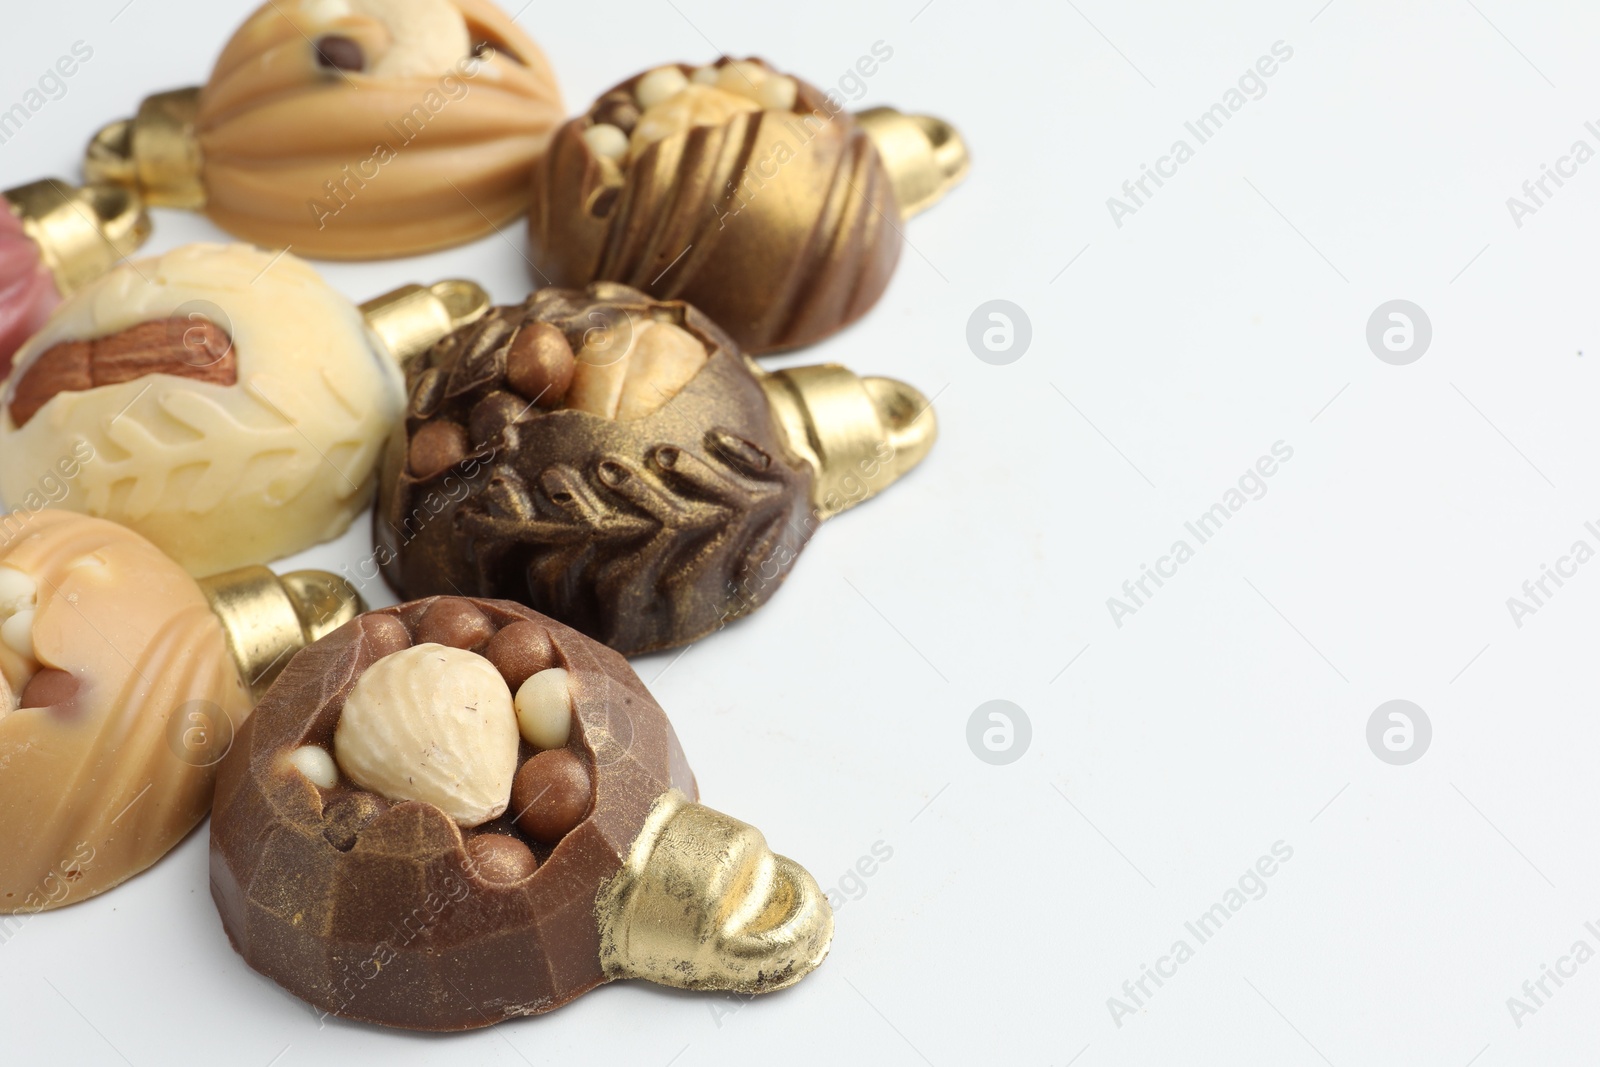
{"points": [[633, 532], [782, 226], [644, 533]]}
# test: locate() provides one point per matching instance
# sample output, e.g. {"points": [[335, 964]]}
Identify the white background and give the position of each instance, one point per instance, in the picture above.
{"points": [[1230, 712]]}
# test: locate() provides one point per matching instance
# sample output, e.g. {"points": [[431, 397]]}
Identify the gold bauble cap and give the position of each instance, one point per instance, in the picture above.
{"points": [[925, 156], [860, 435], [413, 318], [268, 618], [82, 232]]}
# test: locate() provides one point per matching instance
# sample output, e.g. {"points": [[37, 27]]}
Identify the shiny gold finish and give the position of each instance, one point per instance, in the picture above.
{"points": [[413, 318], [859, 435], [155, 152], [81, 232], [925, 156], [783, 227], [267, 618], [702, 903]]}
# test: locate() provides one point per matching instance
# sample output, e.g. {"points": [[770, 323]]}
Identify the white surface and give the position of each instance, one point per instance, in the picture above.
{"points": [[1177, 749]]}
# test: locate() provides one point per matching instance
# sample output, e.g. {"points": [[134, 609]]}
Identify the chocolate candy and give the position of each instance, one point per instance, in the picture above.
{"points": [[500, 860], [221, 400], [121, 682], [551, 795], [455, 622], [519, 651], [392, 910], [359, 129], [663, 492], [752, 195]]}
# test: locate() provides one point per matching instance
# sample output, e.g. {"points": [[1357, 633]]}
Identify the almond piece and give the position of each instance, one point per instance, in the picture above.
{"points": [[63, 368], [189, 348], [192, 348]]}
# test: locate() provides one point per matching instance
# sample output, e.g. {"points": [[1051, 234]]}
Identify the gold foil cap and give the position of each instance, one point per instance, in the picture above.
{"points": [[860, 435], [925, 156], [702, 903], [155, 152], [267, 618], [81, 232], [414, 318]]}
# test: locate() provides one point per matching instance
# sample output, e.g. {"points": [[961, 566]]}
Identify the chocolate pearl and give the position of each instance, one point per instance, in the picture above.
{"points": [[520, 651], [455, 622], [336, 52], [436, 447], [550, 795], [540, 364], [491, 415], [385, 634], [618, 110], [346, 816], [500, 859], [49, 688]]}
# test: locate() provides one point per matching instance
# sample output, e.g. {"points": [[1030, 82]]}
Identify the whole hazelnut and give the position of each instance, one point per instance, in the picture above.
{"points": [[435, 724]]}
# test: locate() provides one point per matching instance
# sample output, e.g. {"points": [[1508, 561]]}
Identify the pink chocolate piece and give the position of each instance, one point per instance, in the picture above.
{"points": [[27, 289]]}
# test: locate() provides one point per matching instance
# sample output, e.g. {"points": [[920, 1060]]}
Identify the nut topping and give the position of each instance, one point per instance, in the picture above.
{"points": [[435, 724], [197, 349]]}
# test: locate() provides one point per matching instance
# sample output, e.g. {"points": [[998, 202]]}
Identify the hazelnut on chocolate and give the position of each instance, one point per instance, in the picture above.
{"points": [[349, 129], [610, 869], [627, 470], [746, 192]]}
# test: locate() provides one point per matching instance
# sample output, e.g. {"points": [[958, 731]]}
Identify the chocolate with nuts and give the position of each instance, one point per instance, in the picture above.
{"points": [[623, 470], [197, 349], [748, 193], [235, 405], [349, 129], [458, 910], [121, 680]]}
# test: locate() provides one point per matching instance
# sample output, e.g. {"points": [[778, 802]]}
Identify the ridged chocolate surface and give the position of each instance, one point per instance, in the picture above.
{"points": [[349, 165], [779, 226], [644, 534], [374, 911]]}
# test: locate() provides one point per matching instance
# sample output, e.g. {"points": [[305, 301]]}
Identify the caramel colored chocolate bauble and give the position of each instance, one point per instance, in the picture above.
{"points": [[349, 129]]}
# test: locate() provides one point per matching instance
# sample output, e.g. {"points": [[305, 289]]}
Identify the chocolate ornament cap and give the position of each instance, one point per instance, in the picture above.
{"points": [[745, 192], [375, 905], [267, 618], [122, 683], [82, 232], [614, 462], [355, 129], [235, 405]]}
